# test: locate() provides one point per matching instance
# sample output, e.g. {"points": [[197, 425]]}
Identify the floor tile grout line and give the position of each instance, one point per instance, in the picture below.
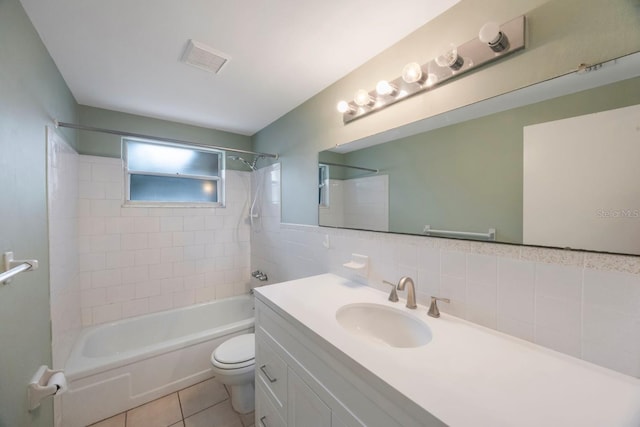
{"points": [[209, 407], [205, 408], [180, 405]]}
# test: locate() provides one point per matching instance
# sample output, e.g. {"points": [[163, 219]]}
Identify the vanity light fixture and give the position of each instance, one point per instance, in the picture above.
{"points": [[493, 42], [363, 99], [450, 58], [412, 73], [345, 108], [432, 79], [384, 88], [490, 34]]}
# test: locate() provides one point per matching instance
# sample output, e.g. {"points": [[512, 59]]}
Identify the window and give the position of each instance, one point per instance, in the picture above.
{"points": [[158, 172], [323, 185]]}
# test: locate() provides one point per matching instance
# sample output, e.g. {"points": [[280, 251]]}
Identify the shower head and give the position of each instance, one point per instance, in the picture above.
{"points": [[251, 165]]}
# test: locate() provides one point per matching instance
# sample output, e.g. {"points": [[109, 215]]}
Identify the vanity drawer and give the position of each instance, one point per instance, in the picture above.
{"points": [[266, 413], [271, 373]]}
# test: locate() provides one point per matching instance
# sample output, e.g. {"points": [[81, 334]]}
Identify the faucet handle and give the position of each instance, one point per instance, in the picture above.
{"points": [[393, 296], [433, 308]]}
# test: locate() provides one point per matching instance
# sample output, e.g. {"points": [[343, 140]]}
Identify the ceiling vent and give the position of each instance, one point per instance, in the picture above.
{"points": [[204, 57]]}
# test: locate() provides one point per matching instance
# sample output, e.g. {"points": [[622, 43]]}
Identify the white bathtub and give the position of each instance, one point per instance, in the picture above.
{"points": [[121, 365]]}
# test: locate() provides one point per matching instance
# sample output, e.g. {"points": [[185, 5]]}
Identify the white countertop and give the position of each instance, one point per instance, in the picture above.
{"points": [[467, 375]]}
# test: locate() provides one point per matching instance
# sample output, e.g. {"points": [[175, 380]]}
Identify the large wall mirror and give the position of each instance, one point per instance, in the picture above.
{"points": [[556, 164]]}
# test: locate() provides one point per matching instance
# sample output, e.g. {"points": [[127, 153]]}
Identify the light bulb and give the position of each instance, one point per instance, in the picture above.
{"points": [[344, 107], [384, 88], [490, 34], [362, 98], [412, 72], [208, 188], [450, 58]]}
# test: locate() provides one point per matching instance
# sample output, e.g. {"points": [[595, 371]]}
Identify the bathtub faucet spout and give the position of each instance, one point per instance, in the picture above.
{"points": [[260, 275]]}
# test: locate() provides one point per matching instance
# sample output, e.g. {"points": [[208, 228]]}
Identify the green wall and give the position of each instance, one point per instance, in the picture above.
{"points": [[335, 172], [468, 176], [32, 94], [100, 144], [560, 35]]}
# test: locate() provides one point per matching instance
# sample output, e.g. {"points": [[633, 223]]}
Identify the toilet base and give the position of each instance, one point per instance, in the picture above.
{"points": [[243, 397]]}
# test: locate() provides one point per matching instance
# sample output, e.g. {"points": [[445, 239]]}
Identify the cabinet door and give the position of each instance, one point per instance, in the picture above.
{"points": [[266, 414], [305, 409]]}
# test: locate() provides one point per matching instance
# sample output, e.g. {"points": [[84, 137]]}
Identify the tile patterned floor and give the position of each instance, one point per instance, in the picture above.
{"points": [[205, 404]]}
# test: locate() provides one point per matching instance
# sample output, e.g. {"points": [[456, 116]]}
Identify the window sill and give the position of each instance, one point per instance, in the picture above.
{"points": [[129, 204]]}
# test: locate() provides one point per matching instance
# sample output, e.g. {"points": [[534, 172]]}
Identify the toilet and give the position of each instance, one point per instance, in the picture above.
{"points": [[234, 365]]}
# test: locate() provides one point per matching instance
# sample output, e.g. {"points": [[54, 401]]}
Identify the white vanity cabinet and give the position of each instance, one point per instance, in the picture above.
{"points": [[300, 383], [281, 394], [465, 376]]}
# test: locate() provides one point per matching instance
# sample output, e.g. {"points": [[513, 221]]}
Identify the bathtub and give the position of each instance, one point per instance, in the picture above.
{"points": [[117, 366]]}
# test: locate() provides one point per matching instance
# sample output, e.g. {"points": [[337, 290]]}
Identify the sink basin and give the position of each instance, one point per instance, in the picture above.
{"points": [[384, 325]]}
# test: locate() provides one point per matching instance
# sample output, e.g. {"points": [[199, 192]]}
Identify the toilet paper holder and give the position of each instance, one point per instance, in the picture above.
{"points": [[44, 383]]}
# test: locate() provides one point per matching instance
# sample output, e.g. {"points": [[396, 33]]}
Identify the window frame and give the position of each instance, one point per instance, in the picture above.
{"points": [[220, 178], [324, 198]]}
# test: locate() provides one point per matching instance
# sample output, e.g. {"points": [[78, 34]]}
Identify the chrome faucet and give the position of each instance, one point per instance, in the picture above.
{"points": [[393, 296], [411, 292], [260, 275], [433, 308]]}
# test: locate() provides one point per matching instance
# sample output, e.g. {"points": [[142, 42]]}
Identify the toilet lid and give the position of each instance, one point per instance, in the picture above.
{"points": [[236, 350]]}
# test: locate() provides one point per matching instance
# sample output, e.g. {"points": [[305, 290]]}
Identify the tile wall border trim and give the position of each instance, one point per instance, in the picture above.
{"points": [[591, 260]]}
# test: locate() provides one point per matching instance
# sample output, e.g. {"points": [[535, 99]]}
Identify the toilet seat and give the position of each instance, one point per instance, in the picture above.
{"points": [[236, 353]]}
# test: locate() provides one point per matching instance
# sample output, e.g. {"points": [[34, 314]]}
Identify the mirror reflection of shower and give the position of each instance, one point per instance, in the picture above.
{"points": [[255, 218], [250, 165]]}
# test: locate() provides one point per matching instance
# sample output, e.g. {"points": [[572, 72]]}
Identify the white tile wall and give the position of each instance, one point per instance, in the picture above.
{"points": [[366, 203], [133, 261], [585, 305], [64, 285], [333, 214], [138, 260], [358, 203]]}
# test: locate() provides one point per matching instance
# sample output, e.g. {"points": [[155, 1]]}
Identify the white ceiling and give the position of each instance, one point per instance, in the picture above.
{"points": [[125, 55]]}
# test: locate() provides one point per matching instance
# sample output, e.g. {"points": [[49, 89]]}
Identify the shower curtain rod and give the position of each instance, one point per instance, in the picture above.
{"points": [[350, 167], [157, 138]]}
